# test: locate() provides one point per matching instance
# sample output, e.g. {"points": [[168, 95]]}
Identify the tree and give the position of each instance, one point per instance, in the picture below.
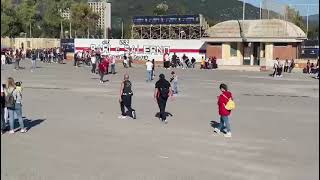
{"points": [[26, 14], [294, 17], [161, 9], [7, 18], [83, 19]]}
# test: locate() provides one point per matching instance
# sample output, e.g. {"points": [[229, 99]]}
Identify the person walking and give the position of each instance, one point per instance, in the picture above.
{"points": [[125, 98], [102, 71], [13, 102], [149, 66], [113, 65], [153, 73], [93, 63], [161, 94], [174, 82], [2, 110], [223, 99], [33, 60]]}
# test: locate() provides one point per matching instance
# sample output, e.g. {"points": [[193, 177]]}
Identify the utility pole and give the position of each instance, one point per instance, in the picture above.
{"points": [[30, 31], [121, 28], [244, 10], [61, 30], [260, 10], [70, 29]]}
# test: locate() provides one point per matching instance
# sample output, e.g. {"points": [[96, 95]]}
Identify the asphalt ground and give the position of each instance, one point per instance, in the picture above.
{"points": [[75, 134]]}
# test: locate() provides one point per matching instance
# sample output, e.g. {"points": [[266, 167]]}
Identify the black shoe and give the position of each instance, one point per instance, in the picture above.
{"points": [[134, 115]]}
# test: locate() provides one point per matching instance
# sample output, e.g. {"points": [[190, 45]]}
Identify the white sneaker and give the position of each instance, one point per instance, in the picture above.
{"points": [[134, 115], [216, 130], [165, 121], [24, 130], [228, 134], [122, 117], [11, 132]]}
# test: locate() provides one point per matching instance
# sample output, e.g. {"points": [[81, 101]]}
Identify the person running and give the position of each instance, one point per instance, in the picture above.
{"points": [[13, 101], [161, 94], [223, 112], [149, 70], [174, 82], [125, 98]]}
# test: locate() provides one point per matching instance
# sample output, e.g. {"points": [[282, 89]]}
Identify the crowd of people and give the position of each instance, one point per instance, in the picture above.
{"points": [[280, 67]]}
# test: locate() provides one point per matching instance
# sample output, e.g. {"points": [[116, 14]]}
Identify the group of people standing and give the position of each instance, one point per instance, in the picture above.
{"points": [[11, 105]]}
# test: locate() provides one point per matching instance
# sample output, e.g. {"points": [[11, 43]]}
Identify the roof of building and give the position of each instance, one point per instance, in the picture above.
{"points": [[256, 29]]}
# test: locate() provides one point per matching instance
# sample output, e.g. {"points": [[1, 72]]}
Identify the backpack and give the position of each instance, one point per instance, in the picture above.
{"points": [[9, 100], [230, 104]]}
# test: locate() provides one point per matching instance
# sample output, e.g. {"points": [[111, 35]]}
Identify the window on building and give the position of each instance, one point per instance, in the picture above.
{"points": [[280, 44], [233, 49]]}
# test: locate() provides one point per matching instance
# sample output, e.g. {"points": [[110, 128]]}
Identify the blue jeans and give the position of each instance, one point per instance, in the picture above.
{"points": [[2, 118], [224, 124], [113, 68], [149, 75], [175, 87], [18, 112]]}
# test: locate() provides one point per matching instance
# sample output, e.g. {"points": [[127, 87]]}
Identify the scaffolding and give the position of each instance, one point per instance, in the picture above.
{"points": [[170, 31]]}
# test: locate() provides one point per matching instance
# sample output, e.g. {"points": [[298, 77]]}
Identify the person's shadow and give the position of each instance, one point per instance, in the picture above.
{"points": [[215, 124], [157, 115], [29, 124]]}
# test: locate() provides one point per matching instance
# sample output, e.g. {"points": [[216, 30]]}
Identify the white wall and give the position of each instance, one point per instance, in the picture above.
{"points": [[145, 48]]}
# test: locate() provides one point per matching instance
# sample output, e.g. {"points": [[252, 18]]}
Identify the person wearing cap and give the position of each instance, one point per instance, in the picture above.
{"points": [[125, 98], [161, 94]]}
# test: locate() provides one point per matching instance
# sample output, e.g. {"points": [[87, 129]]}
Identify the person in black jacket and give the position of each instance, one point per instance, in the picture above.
{"points": [[161, 94], [125, 98]]}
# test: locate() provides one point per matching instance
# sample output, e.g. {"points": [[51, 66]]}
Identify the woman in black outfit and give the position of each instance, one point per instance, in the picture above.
{"points": [[125, 98]]}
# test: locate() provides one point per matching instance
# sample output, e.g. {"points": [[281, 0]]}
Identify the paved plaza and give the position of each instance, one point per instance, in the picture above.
{"points": [[75, 133]]}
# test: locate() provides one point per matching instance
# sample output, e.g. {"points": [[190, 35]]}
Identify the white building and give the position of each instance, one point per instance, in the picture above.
{"points": [[103, 8]]}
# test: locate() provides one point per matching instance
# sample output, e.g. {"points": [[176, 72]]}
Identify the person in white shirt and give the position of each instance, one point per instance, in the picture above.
{"points": [[93, 63], [3, 58], [275, 67], [113, 65], [149, 70]]}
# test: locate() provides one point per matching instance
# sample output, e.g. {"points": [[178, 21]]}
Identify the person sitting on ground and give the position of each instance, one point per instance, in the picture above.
{"points": [[275, 67], [214, 63], [280, 69]]}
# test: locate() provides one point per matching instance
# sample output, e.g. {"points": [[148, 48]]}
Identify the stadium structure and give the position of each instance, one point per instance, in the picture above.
{"points": [[169, 27]]}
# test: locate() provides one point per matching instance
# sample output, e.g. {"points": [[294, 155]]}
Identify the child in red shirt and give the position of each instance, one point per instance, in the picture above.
{"points": [[102, 70], [223, 112]]}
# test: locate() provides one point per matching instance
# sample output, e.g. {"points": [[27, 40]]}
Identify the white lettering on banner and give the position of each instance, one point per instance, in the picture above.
{"points": [[156, 50]]}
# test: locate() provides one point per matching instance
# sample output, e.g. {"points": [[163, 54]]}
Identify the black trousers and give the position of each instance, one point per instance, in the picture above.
{"points": [[94, 65], [126, 102], [162, 102]]}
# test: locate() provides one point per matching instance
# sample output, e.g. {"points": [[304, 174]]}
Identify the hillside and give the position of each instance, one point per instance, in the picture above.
{"points": [[213, 10]]}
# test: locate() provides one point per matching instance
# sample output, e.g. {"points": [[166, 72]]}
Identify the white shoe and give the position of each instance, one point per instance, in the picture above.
{"points": [[122, 117], [23, 130], [134, 115], [216, 130], [11, 132], [165, 121], [228, 134]]}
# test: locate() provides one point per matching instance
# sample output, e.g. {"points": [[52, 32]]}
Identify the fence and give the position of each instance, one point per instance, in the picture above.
{"points": [[29, 42]]}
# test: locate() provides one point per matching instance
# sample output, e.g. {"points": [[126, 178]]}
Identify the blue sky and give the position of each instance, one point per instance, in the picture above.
{"points": [[302, 9]]}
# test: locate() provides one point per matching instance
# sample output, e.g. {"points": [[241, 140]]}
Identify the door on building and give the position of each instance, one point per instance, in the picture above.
{"points": [[256, 54], [246, 54]]}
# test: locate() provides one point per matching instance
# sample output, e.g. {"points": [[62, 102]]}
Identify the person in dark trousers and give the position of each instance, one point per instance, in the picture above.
{"points": [[223, 112], [292, 65], [125, 98], [161, 94], [152, 73]]}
